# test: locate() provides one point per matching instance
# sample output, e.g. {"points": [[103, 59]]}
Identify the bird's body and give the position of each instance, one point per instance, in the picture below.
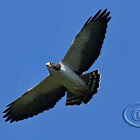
{"points": [[66, 76], [68, 79]]}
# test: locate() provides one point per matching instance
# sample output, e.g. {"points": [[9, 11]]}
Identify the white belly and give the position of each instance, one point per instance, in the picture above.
{"points": [[70, 80]]}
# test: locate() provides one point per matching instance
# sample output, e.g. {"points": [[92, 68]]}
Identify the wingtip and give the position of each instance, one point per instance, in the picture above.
{"points": [[102, 14], [4, 116], [108, 19], [105, 9], [9, 104], [8, 119], [96, 15], [106, 15], [12, 121], [99, 11], [87, 21], [4, 111]]}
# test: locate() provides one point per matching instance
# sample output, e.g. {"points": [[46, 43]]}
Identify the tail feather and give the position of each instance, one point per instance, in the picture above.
{"points": [[73, 99], [91, 80]]}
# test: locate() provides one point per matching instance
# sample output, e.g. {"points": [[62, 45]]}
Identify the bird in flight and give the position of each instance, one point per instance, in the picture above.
{"points": [[66, 76]]}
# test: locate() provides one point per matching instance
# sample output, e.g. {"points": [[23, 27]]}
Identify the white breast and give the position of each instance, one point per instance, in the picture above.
{"points": [[70, 79]]}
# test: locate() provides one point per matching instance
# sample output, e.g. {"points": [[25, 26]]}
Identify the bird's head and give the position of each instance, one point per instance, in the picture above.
{"points": [[53, 67]]}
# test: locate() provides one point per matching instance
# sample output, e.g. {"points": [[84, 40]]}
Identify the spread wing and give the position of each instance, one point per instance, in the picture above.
{"points": [[42, 97], [86, 47]]}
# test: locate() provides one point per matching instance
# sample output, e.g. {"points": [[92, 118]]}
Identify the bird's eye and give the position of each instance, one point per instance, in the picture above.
{"points": [[50, 63]]}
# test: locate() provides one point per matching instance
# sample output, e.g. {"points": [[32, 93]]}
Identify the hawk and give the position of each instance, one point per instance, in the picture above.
{"points": [[66, 76]]}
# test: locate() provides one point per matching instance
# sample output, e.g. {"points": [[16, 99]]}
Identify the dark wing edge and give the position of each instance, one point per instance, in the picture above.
{"points": [[39, 102], [91, 48], [94, 54]]}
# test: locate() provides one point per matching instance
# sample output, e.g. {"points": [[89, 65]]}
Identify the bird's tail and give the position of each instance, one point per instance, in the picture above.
{"points": [[91, 80]]}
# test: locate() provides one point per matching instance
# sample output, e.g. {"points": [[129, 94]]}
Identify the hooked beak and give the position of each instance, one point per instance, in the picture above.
{"points": [[48, 64]]}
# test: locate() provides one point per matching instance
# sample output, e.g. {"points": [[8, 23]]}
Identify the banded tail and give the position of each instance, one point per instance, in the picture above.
{"points": [[92, 81]]}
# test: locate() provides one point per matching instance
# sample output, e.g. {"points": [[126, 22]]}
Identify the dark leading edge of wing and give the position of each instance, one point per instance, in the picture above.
{"points": [[87, 45], [42, 97]]}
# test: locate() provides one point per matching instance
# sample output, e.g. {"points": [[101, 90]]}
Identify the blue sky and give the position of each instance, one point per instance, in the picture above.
{"points": [[35, 32]]}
